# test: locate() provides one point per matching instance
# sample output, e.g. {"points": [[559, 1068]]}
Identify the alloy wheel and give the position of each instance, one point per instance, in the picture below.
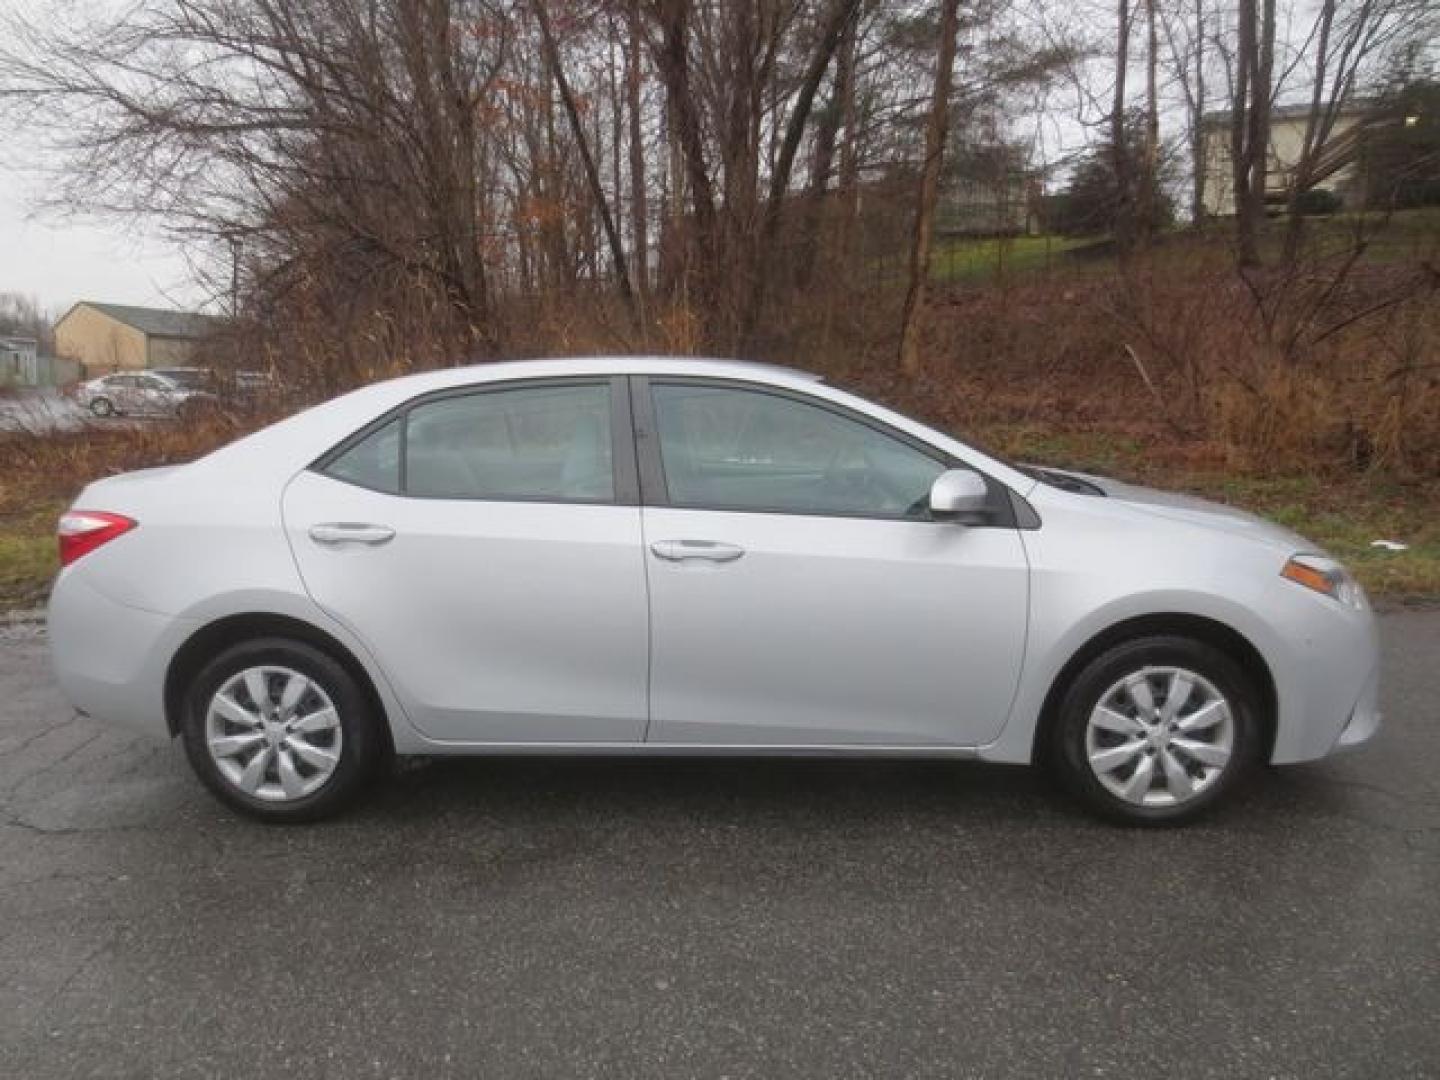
{"points": [[273, 733]]}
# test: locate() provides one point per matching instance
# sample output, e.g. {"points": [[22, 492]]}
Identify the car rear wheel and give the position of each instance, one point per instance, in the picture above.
{"points": [[1156, 730], [102, 406], [280, 731]]}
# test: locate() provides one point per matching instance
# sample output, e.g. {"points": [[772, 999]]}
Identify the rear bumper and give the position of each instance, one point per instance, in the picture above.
{"points": [[109, 658]]}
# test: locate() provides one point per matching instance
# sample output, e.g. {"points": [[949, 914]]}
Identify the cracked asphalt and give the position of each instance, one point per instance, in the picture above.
{"points": [[513, 918]]}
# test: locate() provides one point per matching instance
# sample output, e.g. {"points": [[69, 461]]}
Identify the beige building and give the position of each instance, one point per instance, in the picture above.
{"points": [[116, 337], [1336, 169]]}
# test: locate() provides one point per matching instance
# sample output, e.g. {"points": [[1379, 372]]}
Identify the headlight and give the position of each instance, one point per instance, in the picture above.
{"points": [[1325, 576]]}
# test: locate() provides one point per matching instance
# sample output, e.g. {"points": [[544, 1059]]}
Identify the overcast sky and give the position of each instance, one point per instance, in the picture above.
{"points": [[59, 261]]}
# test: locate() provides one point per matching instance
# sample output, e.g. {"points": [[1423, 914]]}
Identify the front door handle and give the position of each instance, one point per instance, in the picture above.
{"points": [[336, 533], [703, 550]]}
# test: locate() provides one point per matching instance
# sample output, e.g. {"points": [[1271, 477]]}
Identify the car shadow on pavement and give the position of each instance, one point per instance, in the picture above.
{"points": [[828, 793]]}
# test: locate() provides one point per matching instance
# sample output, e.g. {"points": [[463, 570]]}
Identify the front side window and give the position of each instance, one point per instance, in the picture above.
{"points": [[727, 448]]}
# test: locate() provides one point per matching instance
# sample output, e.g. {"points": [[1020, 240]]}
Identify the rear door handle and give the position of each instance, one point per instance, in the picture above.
{"points": [[703, 550], [336, 533]]}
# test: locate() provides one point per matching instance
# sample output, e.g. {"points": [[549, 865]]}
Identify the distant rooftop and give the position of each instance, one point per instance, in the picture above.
{"points": [[156, 322], [1290, 112]]}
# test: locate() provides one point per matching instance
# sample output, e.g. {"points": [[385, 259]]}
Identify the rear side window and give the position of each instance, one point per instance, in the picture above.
{"points": [[527, 443], [373, 462], [534, 443]]}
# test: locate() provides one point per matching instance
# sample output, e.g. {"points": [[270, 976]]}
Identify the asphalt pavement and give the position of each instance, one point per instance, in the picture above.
{"points": [[512, 918]]}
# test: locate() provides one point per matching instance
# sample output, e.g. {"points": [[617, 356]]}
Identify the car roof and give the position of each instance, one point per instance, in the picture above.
{"points": [[505, 370]]}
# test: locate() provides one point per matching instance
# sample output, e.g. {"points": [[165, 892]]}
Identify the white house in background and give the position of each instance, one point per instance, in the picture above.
{"points": [[19, 361], [1336, 171]]}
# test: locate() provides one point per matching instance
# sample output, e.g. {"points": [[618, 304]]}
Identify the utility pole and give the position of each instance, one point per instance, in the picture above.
{"points": [[236, 245]]}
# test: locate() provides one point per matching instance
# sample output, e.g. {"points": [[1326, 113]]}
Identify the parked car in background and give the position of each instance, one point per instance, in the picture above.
{"points": [[139, 393], [256, 389], [675, 556], [189, 378]]}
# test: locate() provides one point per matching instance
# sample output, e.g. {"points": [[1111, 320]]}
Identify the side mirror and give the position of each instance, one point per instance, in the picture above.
{"points": [[960, 495]]}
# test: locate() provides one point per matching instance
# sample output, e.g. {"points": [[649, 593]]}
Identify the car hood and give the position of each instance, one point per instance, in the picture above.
{"points": [[1176, 506]]}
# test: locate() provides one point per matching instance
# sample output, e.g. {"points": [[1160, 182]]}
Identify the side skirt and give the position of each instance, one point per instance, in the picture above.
{"points": [[964, 753]]}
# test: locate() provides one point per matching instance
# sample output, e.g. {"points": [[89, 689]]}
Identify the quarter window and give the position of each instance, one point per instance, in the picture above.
{"points": [[373, 462], [736, 449]]}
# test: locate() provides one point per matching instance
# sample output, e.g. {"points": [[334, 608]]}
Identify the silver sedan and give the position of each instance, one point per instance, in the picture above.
{"points": [[672, 556]]}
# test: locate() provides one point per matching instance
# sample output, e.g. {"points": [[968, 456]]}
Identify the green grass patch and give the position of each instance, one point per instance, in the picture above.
{"points": [[28, 559], [1404, 235], [991, 257]]}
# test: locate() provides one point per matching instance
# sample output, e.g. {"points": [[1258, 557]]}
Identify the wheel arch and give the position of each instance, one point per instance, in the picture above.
{"points": [[229, 630], [1199, 627]]}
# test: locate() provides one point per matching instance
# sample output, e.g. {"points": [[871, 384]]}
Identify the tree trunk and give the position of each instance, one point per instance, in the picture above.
{"points": [[849, 185], [592, 173], [822, 160], [639, 209], [1250, 132], [1119, 145], [841, 13], [1150, 167], [1314, 138], [935, 133], [1198, 162]]}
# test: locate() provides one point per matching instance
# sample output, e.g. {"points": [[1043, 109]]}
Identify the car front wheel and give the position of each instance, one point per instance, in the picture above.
{"points": [[280, 731], [102, 406], [1156, 730]]}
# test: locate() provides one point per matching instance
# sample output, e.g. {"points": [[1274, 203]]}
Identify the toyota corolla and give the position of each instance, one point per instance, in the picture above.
{"points": [[672, 556]]}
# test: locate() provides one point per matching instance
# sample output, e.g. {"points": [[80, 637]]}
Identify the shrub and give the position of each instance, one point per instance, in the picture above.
{"points": [[1318, 201]]}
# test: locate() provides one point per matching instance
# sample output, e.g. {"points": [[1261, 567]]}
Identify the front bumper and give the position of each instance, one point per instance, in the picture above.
{"points": [[1365, 717], [1327, 676]]}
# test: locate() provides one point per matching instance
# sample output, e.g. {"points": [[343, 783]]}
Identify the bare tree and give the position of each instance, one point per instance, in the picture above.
{"points": [[1187, 31], [1252, 99], [1150, 146], [592, 172], [639, 205], [1347, 40], [936, 130], [1121, 164], [840, 15]]}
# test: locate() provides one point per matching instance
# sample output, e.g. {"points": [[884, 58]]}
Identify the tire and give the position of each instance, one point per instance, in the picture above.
{"points": [[102, 407], [330, 737], [1207, 744]]}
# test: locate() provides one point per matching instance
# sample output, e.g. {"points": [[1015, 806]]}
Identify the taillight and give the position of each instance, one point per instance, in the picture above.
{"points": [[82, 531]]}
